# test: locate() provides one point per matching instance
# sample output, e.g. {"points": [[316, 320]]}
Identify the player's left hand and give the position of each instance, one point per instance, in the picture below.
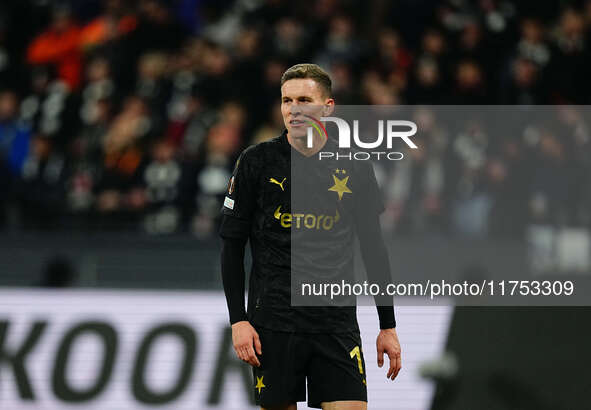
{"points": [[387, 342]]}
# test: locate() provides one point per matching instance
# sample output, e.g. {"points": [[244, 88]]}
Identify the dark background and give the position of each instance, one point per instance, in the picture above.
{"points": [[129, 115]]}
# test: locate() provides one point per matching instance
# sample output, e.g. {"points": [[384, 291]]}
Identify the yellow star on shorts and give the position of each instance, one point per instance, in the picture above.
{"points": [[340, 186], [260, 384]]}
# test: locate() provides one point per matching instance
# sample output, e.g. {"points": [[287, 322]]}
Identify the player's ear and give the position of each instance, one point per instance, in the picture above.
{"points": [[328, 108]]}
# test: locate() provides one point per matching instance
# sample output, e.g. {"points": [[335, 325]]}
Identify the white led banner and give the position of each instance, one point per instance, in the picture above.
{"points": [[125, 350]]}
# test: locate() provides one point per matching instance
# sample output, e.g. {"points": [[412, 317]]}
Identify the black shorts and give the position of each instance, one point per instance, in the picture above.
{"points": [[332, 364]]}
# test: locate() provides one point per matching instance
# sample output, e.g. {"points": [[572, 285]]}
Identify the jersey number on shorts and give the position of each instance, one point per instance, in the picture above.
{"points": [[356, 352]]}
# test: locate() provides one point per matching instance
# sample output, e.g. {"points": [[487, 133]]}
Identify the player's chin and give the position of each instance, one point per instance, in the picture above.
{"points": [[298, 131]]}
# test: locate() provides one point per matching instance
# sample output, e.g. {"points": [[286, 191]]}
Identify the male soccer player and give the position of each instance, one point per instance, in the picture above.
{"points": [[289, 345]]}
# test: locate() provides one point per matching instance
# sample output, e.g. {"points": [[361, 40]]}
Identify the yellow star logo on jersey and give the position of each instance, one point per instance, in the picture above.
{"points": [[260, 384], [340, 186]]}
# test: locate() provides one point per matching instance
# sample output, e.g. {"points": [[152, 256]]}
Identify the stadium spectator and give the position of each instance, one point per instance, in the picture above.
{"points": [[40, 188], [116, 21], [160, 190], [14, 135], [123, 153], [59, 46], [14, 145]]}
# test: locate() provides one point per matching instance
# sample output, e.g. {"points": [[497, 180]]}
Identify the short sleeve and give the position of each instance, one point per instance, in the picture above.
{"points": [[240, 199]]}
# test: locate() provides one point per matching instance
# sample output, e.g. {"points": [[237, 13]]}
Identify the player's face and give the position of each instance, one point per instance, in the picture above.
{"points": [[302, 97]]}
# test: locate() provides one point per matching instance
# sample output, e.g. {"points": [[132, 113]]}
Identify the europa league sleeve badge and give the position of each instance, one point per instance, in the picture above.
{"points": [[231, 186]]}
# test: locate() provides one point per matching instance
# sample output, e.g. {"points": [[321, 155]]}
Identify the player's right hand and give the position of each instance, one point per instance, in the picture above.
{"points": [[244, 337]]}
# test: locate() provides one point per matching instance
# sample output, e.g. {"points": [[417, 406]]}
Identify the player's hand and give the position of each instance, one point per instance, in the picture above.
{"points": [[387, 342], [244, 337]]}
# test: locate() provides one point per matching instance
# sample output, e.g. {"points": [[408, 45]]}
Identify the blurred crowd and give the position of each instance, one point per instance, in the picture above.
{"points": [[129, 114]]}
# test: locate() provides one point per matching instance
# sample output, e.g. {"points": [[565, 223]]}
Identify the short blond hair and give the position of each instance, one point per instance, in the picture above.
{"points": [[311, 71]]}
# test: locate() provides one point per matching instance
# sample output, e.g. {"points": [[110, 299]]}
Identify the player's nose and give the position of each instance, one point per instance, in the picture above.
{"points": [[296, 112]]}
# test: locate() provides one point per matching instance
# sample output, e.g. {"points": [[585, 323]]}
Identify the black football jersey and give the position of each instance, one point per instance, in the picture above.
{"points": [[300, 214]]}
